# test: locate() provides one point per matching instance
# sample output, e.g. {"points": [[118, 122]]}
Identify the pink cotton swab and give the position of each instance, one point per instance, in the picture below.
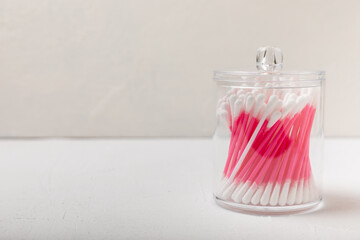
{"points": [[224, 114], [281, 175], [273, 101], [250, 101], [265, 198], [297, 159], [238, 105], [250, 166], [269, 108], [262, 168], [262, 171], [252, 123], [273, 104], [289, 160], [283, 144], [297, 188], [248, 107]]}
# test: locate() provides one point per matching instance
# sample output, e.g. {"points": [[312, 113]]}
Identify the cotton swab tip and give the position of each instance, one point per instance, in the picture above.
{"points": [[274, 118], [250, 100]]}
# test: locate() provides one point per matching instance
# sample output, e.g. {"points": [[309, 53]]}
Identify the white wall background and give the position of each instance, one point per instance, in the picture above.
{"points": [[144, 68]]}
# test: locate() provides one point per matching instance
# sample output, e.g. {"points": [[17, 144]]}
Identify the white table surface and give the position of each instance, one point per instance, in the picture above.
{"points": [[153, 189]]}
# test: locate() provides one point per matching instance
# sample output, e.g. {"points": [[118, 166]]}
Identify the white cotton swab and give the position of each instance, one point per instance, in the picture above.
{"points": [[224, 117], [238, 105], [232, 100]]}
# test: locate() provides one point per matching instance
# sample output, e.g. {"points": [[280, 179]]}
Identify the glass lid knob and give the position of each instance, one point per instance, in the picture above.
{"points": [[269, 59]]}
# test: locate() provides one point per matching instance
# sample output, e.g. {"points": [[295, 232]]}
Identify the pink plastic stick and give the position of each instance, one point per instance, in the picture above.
{"points": [[305, 138], [252, 154], [283, 150], [250, 130], [239, 140], [233, 141], [293, 159], [268, 157], [265, 141], [291, 148]]}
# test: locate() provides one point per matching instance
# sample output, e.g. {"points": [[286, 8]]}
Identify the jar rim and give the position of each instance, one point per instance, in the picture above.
{"points": [[317, 74], [239, 76]]}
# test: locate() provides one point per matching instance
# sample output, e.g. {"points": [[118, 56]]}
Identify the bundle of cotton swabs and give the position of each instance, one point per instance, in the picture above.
{"points": [[268, 159]]}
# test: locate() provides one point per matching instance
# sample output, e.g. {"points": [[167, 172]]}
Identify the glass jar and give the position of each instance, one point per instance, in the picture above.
{"points": [[269, 138]]}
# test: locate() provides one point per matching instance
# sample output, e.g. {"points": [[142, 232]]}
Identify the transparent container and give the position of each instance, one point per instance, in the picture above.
{"points": [[269, 138]]}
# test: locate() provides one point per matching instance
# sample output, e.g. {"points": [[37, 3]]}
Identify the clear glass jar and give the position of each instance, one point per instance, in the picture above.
{"points": [[269, 138]]}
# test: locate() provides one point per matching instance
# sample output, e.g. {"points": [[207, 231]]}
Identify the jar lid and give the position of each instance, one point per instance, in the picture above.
{"points": [[269, 63]]}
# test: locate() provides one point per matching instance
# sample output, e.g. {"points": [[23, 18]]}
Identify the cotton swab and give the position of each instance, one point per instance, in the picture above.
{"points": [[268, 162], [269, 108]]}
